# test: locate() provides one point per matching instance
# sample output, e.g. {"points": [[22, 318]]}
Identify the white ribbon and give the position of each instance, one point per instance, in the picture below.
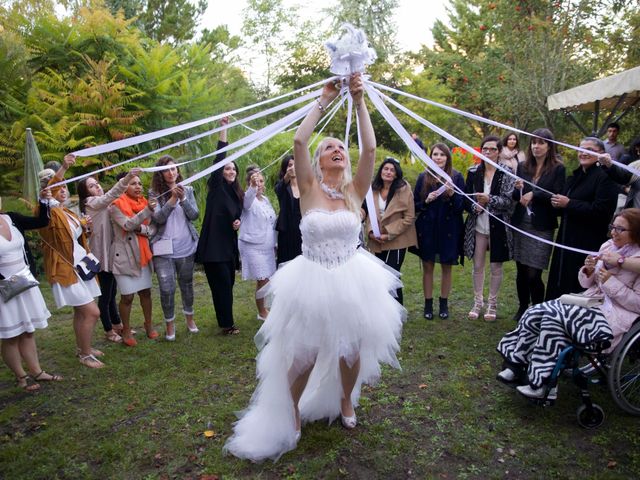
{"points": [[501, 125], [146, 137], [395, 124], [239, 143]]}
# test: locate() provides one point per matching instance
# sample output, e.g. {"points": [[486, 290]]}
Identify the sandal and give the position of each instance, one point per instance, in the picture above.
{"points": [[94, 351], [90, 361], [47, 377], [26, 383], [113, 336], [230, 331]]}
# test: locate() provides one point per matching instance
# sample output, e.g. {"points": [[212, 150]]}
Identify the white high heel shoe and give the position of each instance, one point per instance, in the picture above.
{"points": [[349, 422]]}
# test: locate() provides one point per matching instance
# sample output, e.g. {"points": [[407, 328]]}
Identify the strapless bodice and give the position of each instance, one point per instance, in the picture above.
{"points": [[329, 238]]}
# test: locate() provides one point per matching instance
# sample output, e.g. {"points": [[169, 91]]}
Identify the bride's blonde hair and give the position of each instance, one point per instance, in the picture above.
{"points": [[346, 174]]}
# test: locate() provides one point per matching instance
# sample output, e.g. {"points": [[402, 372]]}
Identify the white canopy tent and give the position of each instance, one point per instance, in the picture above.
{"points": [[618, 94]]}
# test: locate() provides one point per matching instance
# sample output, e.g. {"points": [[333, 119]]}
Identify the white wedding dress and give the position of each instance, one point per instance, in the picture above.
{"points": [[332, 301]]}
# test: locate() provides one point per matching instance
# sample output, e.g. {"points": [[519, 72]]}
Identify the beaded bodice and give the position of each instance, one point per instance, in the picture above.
{"points": [[329, 238]]}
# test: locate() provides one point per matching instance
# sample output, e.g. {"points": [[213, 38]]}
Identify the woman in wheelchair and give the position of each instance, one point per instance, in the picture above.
{"points": [[545, 329]]}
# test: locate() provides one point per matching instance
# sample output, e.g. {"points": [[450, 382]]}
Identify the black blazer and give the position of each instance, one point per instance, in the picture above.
{"points": [[544, 215], [23, 222], [218, 240]]}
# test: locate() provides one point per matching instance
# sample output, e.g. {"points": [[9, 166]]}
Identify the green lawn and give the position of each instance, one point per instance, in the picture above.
{"points": [[442, 416]]}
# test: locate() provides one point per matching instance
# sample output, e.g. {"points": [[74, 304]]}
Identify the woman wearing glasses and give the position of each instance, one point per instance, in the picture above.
{"points": [[585, 207], [546, 329], [94, 203], [492, 190]]}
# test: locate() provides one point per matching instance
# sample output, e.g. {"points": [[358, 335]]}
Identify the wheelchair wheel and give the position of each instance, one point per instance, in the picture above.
{"points": [[624, 374], [590, 418]]}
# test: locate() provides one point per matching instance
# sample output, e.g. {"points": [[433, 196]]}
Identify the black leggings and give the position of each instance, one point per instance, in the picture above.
{"points": [[109, 315], [394, 259], [529, 285]]}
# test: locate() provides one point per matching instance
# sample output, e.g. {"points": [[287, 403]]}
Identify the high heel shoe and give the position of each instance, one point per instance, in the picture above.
{"points": [[349, 422], [151, 332], [490, 314], [474, 313], [195, 328]]}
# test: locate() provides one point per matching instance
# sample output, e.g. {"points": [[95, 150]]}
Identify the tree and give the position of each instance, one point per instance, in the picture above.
{"points": [[264, 23], [172, 21], [501, 59]]}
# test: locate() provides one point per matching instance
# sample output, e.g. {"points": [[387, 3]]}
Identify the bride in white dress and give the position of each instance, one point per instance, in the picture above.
{"points": [[333, 318]]}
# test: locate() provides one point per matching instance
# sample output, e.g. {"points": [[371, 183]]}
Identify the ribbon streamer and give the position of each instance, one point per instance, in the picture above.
{"points": [[500, 125]]}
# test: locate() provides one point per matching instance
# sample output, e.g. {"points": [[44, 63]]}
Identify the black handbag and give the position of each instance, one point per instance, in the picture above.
{"points": [[88, 267]]}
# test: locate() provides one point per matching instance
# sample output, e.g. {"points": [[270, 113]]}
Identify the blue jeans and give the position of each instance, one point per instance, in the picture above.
{"points": [[167, 269]]}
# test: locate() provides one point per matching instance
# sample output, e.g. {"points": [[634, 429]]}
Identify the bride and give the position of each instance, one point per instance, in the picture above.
{"points": [[333, 318]]}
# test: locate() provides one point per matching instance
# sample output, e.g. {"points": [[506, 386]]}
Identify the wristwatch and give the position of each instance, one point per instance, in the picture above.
{"points": [[621, 260]]}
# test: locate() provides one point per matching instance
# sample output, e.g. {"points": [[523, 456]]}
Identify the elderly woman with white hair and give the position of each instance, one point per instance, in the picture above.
{"points": [[333, 318]]}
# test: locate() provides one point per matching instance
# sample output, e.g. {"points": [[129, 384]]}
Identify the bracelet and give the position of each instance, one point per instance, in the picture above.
{"points": [[320, 107]]}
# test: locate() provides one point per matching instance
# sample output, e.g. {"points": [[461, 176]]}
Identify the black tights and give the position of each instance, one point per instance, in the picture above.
{"points": [[529, 285]]}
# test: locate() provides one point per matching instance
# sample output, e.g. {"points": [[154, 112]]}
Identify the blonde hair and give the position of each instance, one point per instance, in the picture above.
{"points": [[346, 174]]}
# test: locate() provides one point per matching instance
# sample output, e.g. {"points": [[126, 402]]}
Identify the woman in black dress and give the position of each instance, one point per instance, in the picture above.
{"points": [[288, 222]]}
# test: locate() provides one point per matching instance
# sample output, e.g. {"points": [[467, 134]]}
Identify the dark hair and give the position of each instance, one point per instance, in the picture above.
{"points": [[615, 125], [633, 150], [550, 159], [53, 165], [235, 185], [397, 183], [83, 193], [492, 138], [632, 215], [158, 183], [121, 175], [284, 164], [506, 137], [430, 178], [595, 140], [250, 170]]}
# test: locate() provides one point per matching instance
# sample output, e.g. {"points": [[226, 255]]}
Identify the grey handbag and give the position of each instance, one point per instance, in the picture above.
{"points": [[17, 283]]}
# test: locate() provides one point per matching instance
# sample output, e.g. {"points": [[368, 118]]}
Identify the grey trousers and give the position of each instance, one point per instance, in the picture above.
{"points": [[167, 269]]}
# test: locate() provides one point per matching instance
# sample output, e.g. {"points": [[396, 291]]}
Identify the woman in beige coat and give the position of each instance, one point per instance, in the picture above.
{"points": [[93, 204], [131, 255], [395, 211]]}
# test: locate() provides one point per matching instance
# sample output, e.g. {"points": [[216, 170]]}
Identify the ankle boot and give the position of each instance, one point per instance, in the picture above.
{"points": [[520, 312], [444, 308], [428, 308]]}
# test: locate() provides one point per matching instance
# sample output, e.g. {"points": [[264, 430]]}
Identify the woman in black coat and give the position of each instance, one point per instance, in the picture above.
{"points": [[218, 244], [535, 215], [586, 207], [288, 223], [491, 188]]}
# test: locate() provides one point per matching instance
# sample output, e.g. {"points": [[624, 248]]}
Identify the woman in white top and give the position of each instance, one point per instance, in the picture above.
{"points": [[21, 315], [65, 245], [257, 240]]}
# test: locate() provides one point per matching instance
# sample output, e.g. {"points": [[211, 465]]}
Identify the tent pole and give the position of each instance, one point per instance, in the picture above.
{"points": [[596, 114], [571, 117], [608, 121], [627, 110]]}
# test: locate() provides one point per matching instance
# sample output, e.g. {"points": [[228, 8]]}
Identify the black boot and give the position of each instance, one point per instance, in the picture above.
{"points": [[520, 312], [428, 308], [444, 308]]}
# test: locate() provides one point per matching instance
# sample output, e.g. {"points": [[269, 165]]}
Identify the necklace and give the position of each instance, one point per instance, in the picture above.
{"points": [[332, 193]]}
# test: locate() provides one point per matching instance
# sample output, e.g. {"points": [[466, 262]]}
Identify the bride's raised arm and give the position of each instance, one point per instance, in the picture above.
{"points": [[301, 155], [364, 173]]}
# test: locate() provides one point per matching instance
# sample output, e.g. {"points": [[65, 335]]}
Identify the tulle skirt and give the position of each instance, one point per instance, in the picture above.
{"points": [[318, 316]]}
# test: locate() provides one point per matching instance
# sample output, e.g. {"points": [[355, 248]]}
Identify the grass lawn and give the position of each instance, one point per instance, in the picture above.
{"points": [[442, 416]]}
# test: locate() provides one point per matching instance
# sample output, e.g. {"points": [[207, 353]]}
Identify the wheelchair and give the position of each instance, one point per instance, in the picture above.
{"points": [[620, 371]]}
